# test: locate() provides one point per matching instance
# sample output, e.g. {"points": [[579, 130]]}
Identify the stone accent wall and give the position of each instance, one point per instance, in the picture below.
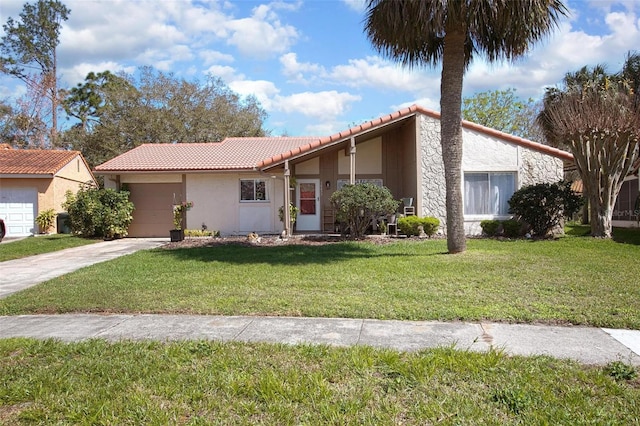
{"points": [[537, 167], [432, 168]]}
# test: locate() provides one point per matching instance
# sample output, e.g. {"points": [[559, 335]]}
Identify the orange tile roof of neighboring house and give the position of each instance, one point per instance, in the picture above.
{"points": [[406, 112], [34, 161], [230, 154]]}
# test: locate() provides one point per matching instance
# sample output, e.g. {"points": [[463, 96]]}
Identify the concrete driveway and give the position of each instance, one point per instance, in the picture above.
{"points": [[16, 275]]}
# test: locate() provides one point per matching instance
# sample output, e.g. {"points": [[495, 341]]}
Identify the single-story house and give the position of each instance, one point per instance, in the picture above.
{"points": [[238, 185], [32, 181]]}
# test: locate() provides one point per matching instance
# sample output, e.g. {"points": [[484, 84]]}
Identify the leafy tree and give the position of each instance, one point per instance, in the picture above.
{"points": [[88, 101], [544, 206], [503, 110], [119, 112], [356, 206], [596, 115], [428, 32], [31, 43]]}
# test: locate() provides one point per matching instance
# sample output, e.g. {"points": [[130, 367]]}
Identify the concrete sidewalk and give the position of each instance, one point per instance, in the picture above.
{"points": [[582, 344], [18, 274], [586, 345]]}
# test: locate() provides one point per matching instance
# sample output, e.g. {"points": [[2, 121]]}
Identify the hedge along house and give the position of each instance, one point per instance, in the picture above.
{"points": [[238, 186], [32, 181]]}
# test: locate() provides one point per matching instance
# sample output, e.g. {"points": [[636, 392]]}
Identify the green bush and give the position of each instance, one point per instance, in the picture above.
{"points": [[409, 225], [97, 212], [545, 205], [511, 228], [200, 233], [358, 205], [490, 227]]}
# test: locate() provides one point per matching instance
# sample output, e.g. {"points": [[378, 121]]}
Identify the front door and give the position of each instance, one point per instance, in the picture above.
{"points": [[308, 201]]}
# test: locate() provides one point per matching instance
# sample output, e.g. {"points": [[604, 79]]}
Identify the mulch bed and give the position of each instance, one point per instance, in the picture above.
{"points": [[272, 240]]}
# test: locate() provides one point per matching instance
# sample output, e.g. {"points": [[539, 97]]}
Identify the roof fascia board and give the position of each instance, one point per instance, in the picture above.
{"points": [[26, 176], [171, 172], [347, 137]]}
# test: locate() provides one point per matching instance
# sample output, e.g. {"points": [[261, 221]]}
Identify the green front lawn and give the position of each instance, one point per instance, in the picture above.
{"points": [[576, 280], [31, 246], [206, 383]]}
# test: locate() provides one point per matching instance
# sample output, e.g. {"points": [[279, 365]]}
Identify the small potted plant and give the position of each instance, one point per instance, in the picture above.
{"points": [[45, 220], [293, 213], [177, 233]]}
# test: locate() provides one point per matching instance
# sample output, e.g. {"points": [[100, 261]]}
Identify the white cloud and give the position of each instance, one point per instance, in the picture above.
{"points": [[567, 50], [374, 71], [225, 72], [295, 71], [77, 73], [264, 91], [262, 34], [322, 105], [356, 5], [213, 57]]}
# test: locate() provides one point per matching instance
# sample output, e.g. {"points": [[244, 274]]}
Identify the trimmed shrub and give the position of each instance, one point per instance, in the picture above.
{"points": [[200, 233], [511, 228], [409, 225], [357, 205], [97, 212], [490, 227], [545, 205]]}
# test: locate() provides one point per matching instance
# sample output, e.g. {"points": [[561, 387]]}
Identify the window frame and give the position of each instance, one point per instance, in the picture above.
{"points": [[255, 182], [478, 216]]}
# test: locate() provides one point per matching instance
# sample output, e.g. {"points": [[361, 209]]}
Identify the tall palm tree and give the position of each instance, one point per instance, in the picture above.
{"points": [[426, 32]]}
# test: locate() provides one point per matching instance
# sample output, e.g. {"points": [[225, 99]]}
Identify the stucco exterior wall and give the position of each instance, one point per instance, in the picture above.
{"points": [[537, 167], [217, 204], [481, 153], [70, 178], [431, 170]]}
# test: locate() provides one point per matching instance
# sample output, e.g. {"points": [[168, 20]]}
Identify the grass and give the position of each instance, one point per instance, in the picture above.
{"points": [[573, 279], [198, 383], [32, 246], [577, 280]]}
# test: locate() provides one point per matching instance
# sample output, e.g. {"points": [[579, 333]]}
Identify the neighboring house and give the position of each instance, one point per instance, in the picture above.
{"points": [[238, 185], [32, 181], [626, 212]]}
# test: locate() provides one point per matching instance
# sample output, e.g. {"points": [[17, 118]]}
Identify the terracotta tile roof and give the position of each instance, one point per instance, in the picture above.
{"points": [[250, 153], [398, 115], [34, 161], [230, 154]]}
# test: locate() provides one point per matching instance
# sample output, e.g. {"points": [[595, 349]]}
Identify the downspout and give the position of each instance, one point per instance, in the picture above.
{"points": [[287, 201], [352, 164], [287, 196]]}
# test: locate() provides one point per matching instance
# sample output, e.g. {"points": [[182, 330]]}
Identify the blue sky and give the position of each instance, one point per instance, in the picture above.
{"points": [[308, 61]]}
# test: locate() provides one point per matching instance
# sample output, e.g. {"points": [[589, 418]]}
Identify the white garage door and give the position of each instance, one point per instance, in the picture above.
{"points": [[18, 208]]}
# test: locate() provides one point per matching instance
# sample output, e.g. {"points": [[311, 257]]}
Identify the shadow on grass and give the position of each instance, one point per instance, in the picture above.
{"points": [[627, 235], [294, 254], [620, 235]]}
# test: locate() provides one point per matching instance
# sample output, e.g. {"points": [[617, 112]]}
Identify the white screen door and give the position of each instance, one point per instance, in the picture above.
{"points": [[308, 201]]}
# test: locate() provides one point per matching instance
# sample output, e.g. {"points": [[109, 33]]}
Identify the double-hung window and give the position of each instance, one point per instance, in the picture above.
{"points": [[253, 190], [488, 193]]}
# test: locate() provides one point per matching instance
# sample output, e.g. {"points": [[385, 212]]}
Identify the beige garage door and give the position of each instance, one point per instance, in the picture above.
{"points": [[153, 216]]}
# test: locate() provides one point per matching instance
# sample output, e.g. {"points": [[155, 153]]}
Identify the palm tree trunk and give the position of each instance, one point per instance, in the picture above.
{"points": [[451, 135]]}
